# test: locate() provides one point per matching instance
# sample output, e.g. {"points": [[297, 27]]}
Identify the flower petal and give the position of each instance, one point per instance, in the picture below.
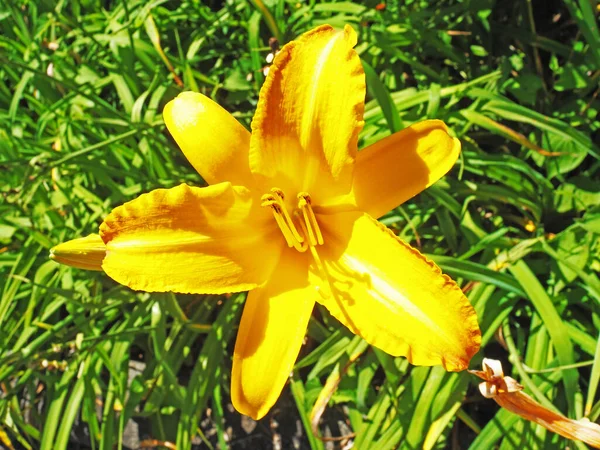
{"points": [[190, 240], [270, 336], [211, 139], [393, 170], [84, 253], [508, 393], [387, 292], [309, 114]]}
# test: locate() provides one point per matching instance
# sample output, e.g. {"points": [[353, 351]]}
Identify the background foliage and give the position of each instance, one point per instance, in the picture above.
{"points": [[517, 222]]}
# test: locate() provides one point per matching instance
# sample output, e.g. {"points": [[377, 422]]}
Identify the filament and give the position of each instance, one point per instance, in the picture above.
{"points": [[300, 229]]}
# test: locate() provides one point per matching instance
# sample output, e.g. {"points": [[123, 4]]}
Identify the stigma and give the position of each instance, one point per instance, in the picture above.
{"points": [[299, 227]]}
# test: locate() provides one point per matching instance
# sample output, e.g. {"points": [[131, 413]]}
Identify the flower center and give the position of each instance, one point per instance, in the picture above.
{"points": [[300, 228]]}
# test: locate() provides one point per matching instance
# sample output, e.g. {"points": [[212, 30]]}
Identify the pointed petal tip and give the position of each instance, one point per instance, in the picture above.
{"points": [[183, 111], [460, 364], [255, 412], [83, 253], [457, 145], [212, 140], [451, 361], [350, 35], [187, 103]]}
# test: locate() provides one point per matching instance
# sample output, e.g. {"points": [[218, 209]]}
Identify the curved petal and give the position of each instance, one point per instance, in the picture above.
{"points": [[309, 114], [400, 166], [211, 139], [208, 240], [396, 299], [270, 336]]}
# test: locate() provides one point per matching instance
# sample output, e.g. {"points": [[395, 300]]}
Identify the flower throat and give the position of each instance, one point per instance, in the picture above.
{"points": [[300, 229]]}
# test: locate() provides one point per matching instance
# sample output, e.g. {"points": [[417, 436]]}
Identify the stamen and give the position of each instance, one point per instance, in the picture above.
{"points": [[305, 196], [267, 198], [320, 265], [289, 239], [300, 231], [278, 192], [306, 225], [290, 223], [304, 203], [275, 201], [301, 246], [305, 245]]}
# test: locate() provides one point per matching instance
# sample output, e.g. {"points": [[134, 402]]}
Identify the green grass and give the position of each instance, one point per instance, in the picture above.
{"points": [[517, 222]]}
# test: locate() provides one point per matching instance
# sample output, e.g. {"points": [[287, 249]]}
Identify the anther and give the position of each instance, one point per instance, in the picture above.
{"points": [[273, 204], [305, 196], [267, 200], [278, 192]]}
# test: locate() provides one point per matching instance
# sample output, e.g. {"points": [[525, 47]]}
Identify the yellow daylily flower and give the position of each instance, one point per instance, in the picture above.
{"points": [[290, 214]]}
